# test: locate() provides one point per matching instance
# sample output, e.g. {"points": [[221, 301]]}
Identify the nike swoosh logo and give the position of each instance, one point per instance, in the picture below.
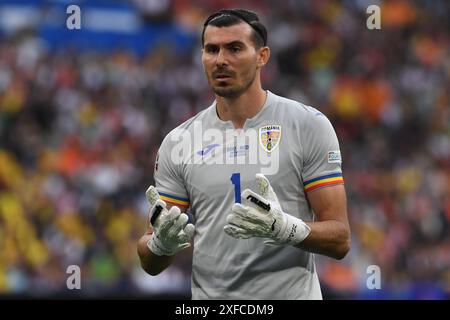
{"points": [[207, 149]]}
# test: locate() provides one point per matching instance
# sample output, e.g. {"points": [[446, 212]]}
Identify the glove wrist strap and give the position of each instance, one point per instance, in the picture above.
{"points": [[294, 231]]}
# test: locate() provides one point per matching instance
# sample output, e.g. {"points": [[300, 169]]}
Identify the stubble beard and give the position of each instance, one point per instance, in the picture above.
{"points": [[233, 92]]}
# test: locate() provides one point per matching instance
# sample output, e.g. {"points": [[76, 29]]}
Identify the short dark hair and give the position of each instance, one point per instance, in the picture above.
{"points": [[230, 17]]}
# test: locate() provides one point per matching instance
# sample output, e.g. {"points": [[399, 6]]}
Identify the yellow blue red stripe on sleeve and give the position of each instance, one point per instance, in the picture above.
{"points": [[323, 181], [174, 200]]}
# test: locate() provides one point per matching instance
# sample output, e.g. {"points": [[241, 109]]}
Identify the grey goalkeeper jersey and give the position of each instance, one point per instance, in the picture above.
{"points": [[205, 163]]}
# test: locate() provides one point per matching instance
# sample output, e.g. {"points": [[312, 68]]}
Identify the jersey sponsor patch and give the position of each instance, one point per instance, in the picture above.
{"points": [[269, 137], [334, 156], [238, 151]]}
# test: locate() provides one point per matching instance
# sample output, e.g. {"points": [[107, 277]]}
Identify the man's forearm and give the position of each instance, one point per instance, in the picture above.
{"points": [[330, 238], [150, 262]]}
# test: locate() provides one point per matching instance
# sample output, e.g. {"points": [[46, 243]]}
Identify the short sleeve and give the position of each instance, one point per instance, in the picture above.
{"points": [[168, 178], [322, 157]]}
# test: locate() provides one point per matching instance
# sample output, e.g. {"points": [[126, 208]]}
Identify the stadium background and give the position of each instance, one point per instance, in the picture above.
{"points": [[82, 113]]}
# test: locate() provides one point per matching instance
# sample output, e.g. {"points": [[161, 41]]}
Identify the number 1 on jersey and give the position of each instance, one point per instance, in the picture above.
{"points": [[236, 180]]}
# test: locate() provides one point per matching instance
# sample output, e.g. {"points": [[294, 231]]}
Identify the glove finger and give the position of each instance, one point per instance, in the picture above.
{"points": [[189, 230], [272, 243], [183, 237], [236, 232], [254, 200], [187, 233], [160, 202], [152, 195], [173, 213], [243, 222], [246, 216], [234, 219], [183, 246], [240, 210], [265, 188], [169, 219], [263, 185], [178, 225]]}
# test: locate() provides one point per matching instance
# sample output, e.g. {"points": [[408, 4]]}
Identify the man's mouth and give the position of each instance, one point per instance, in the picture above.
{"points": [[222, 76]]}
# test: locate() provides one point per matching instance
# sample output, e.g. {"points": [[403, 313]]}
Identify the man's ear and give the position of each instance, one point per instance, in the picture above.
{"points": [[263, 57]]}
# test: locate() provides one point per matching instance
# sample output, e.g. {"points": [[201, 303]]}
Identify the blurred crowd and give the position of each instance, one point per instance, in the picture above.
{"points": [[79, 132]]}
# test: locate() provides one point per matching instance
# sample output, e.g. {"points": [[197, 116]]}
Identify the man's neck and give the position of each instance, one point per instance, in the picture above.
{"points": [[240, 109]]}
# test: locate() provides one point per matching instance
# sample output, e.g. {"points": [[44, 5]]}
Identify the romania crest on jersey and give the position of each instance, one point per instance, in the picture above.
{"points": [[269, 137]]}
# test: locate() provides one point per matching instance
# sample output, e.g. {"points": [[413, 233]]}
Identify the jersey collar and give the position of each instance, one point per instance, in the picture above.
{"points": [[249, 123]]}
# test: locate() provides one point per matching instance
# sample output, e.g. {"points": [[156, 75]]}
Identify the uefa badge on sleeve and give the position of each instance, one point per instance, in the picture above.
{"points": [[334, 156], [269, 137]]}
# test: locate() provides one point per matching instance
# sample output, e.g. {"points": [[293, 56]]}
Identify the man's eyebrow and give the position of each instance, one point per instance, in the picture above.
{"points": [[234, 43], [228, 44]]}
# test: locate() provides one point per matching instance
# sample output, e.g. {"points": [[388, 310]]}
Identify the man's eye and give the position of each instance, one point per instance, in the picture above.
{"points": [[235, 49], [211, 50]]}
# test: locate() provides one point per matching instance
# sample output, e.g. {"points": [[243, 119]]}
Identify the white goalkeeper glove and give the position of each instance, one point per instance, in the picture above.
{"points": [[260, 215], [171, 232]]}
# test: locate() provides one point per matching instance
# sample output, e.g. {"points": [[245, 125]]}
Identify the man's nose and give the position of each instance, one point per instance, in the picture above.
{"points": [[221, 58]]}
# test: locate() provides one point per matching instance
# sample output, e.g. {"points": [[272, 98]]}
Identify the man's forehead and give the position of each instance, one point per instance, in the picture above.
{"points": [[222, 35]]}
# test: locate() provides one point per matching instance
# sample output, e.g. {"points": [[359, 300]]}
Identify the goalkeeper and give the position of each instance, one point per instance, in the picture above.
{"points": [[258, 243]]}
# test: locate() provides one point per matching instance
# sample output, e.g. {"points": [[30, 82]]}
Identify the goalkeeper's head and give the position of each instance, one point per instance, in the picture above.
{"points": [[230, 17], [234, 49]]}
